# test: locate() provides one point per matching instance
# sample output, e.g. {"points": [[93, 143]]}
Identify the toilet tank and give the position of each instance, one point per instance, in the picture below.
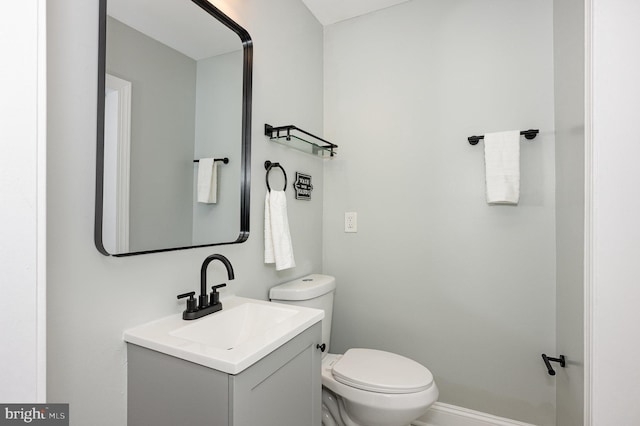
{"points": [[313, 291]]}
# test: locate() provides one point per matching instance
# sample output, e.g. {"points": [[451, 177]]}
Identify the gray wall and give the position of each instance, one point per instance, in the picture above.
{"points": [[163, 83], [568, 23], [434, 273], [91, 298], [218, 130]]}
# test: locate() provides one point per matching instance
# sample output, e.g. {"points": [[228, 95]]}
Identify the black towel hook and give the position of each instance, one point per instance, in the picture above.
{"points": [[561, 360], [268, 165]]}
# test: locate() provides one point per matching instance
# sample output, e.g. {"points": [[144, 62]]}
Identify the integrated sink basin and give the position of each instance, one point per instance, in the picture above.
{"points": [[235, 326], [242, 333]]}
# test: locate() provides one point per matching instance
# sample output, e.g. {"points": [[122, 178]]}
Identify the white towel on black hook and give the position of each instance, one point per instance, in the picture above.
{"points": [[277, 238]]}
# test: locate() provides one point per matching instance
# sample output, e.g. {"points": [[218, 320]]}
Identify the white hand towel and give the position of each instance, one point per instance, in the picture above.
{"points": [[277, 238], [502, 167], [269, 257], [207, 181]]}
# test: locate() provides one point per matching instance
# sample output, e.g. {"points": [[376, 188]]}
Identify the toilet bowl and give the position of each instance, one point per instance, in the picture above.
{"points": [[363, 387], [376, 388]]}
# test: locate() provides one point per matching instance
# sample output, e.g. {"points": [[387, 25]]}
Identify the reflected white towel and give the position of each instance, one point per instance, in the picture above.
{"points": [[502, 167], [277, 238], [207, 181]]}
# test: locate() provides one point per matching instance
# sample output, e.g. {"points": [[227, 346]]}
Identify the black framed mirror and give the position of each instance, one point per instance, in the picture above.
{"points": [[174, 123]]}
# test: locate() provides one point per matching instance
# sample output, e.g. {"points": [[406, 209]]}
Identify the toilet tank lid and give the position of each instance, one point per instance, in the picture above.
{"points": [[314, 285]]}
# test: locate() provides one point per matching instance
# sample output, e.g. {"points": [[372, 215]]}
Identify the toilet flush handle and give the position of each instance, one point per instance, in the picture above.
{"points": [[322, 347]]}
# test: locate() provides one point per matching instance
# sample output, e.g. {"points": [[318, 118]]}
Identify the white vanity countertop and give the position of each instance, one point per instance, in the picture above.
{"points": [[230, 340]]}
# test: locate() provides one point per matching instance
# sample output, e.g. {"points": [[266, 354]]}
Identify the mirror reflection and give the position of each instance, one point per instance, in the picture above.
{"points": [[174, 97]]}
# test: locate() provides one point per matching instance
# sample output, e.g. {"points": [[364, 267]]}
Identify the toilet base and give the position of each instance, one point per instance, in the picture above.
{"points": [[335, 414]]}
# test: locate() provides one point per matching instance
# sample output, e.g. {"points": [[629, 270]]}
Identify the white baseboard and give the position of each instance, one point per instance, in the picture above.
{"points": [[441, 414]]}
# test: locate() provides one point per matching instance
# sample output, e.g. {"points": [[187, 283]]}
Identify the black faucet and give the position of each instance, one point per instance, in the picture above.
{"points": [[206, 305]]}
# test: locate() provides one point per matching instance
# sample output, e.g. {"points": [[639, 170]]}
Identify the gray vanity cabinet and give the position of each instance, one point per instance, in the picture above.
{"points": [[282, 389]]}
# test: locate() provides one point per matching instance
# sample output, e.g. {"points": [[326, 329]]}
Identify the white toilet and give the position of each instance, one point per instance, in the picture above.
{"points": [[363, 387]]}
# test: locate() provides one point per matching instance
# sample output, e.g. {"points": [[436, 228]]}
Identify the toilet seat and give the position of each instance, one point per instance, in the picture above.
{"points": [[382, 372]]}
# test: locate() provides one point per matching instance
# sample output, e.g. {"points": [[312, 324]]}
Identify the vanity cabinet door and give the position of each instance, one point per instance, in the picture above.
{"points": [[282, 389], [167, 391]]}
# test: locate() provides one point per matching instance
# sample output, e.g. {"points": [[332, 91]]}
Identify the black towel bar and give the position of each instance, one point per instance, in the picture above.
{"points": [[529, 134], [268, 165], [225, 160]]}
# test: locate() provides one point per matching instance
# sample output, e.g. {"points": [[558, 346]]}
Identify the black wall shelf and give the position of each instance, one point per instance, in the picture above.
{"points": [[307, 142]]}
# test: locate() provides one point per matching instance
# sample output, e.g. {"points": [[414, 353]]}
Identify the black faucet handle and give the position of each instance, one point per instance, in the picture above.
{"points": [[214, 297], [191, 302], [190, 294]]}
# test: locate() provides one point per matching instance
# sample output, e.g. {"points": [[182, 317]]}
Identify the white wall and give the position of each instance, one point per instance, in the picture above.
{"points": [[23, 206], [434, 273], [93, 298], [615, 207], [568, 20]]}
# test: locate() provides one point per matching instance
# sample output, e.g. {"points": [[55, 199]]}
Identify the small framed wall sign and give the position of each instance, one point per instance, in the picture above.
{"points": [[303, 186]]}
